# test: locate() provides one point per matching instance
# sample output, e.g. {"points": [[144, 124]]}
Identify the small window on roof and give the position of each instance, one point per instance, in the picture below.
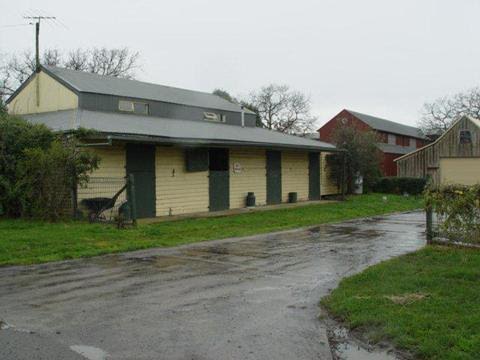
{"points": [[125, 105], [211, 116], [140, 108], [133, 106], [465, 137]]}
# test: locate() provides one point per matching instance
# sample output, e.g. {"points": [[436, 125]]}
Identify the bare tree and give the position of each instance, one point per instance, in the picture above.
{"points": [[77, 60], [113, 62], [15, 69], [438, 115], [283, 109]]}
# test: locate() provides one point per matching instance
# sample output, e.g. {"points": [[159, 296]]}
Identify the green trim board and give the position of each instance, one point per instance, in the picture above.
{"points": [[219, 179], [274, 177], [140, 162]]}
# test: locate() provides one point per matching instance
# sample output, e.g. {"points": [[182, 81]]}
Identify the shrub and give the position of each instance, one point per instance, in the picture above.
{"points": [[39, 169], [458, 209], [400, 185]]}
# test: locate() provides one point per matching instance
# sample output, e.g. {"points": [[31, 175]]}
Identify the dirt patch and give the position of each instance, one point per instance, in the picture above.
{"points": [[406, 299], [353, 345]]}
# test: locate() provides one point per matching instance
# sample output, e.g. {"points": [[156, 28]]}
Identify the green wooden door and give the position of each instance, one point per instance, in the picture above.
{"points": [[219, 180], [141, 163], [274, 177], [314, 176]]}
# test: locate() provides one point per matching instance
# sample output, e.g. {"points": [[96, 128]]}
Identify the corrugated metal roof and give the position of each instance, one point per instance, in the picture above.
{"points": [[388, 126], [395, 149], [173, 130], [100, 84]]}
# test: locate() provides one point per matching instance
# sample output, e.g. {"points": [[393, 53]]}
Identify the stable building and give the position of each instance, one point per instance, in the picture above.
{"points": [[394, 139], [454, 158], [188, 151]]}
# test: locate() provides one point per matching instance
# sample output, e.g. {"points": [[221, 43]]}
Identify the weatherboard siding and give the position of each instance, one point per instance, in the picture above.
{"points": [[107, 179], [425, 162], [53, 97], [178, 191], [250, 176], [295, 174], [327, 185]]}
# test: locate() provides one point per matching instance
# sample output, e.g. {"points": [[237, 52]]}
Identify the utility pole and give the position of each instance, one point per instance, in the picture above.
{"points": [[37, 36], [37, 49]]}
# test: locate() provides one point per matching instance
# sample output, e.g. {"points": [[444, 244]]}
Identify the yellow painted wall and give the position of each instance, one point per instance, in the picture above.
{"points": [[295, 174], [251, 177], [465, 171], [327, 186], [178, 191], [108, 178], [53, 97]]}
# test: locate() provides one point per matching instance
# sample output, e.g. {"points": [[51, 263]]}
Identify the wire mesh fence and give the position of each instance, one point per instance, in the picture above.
{"points": [[453, 228], [106, 199]]}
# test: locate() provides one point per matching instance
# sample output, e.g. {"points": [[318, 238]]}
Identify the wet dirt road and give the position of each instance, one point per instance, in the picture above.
{"points": [[250, 298]]}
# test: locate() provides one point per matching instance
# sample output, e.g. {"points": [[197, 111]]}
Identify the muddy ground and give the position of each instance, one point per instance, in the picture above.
{"points": [[249, 298]]}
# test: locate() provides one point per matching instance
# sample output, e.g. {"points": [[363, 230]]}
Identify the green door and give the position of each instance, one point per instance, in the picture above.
{"points": [[219, 180], [314, 176], [141, 163], [274, 177]]}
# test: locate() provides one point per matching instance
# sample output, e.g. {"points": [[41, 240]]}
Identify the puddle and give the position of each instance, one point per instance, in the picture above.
{"points": [[351, 351], [345, 347], [89, 352]]}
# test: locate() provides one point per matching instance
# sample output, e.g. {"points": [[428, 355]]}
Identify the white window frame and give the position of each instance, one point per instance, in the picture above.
{"points": [[214, 117], [132, 106], [125, 102]]}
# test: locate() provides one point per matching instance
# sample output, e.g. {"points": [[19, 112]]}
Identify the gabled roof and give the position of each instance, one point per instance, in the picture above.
{"points": [[85, 82], [380, 124], [472, 119], [172, 131]]}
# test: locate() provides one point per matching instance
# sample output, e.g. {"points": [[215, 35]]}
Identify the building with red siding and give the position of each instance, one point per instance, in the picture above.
{"points": [[395, 139]]}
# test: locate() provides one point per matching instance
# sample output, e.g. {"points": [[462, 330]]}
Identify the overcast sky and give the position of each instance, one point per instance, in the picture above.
{"points": [[381, 57]]}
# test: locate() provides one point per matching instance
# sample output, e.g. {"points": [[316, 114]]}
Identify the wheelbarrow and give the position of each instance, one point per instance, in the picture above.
{"points": [[96, 206]]}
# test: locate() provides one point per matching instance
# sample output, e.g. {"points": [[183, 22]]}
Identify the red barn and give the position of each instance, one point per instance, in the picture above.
{"points": [[395, 139]]}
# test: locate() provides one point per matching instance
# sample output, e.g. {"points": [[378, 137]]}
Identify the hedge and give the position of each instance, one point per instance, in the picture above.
{"points": [[400, 185]]}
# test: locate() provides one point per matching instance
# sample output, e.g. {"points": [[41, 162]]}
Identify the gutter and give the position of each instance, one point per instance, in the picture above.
{"points": [[107, 143], [206, 142]]}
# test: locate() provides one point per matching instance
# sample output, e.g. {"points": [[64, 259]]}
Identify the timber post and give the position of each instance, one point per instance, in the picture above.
{"points": [[429, 224], [131, 198]]}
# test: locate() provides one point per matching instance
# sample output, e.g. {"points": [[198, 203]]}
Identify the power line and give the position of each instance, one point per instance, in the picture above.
{"points": [[38, 19]]}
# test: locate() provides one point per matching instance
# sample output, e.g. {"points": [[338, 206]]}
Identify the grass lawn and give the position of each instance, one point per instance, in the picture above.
{"points": [[427, 302], [28, 242]]}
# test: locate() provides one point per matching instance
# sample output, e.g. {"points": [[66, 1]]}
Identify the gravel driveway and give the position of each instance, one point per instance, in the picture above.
{"points": [[248, 298]]}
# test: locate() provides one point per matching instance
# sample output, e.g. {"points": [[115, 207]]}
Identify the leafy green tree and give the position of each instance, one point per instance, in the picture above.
{"points": [[3, 107], [39, 168], [225, 95], [360, 157]]}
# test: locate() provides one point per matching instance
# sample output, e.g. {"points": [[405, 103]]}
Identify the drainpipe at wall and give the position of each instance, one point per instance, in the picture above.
{"points": [[243, 116]]}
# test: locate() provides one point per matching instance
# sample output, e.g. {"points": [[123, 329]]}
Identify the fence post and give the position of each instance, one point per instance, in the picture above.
{"points": [[429, 213], [131, 198], [344, 166]]}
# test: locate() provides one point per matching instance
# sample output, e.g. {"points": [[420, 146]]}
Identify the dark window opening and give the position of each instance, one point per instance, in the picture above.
{"points": [[465, 137], [218, 160]]}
